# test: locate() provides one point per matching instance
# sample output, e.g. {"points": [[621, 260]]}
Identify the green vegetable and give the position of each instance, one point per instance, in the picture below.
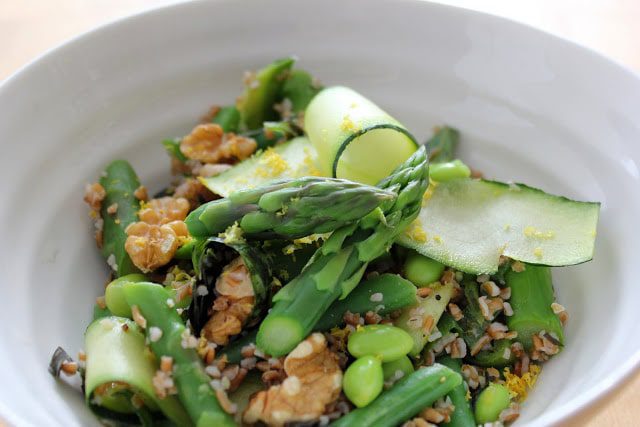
{"points": [[406, 398], [422, 270], [256, 104], [495, 357], [210, 257], [384, 341], [462, 415], [433, 305], [392, 368], [119, 366], [189, 376], [363, 380], [288, 209], [531, 299], [120, 182], [396, 292], [442, 146], [300, 89], [172, 146], [291, 159], [490, 402], [473, 323], [354, 138], [271, 133], [339, 264], [228, 118], [468, 223], [99, 312], [114, 296], [184, 252], [448, 171]]}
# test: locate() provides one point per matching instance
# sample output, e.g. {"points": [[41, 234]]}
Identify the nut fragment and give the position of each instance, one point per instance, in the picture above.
{"points": [[94, 194], [209, 144], [151, 246], [314, 381], [164, 210], [234, 304]]}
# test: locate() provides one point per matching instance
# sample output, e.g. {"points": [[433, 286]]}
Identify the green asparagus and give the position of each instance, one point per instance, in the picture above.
{"points": [[256, 104], [340, 262], [495, 357], [120, 182], [405, 399], [531, 299], [395, 291], [288, 209], [192, 382], [462, 415], [299, 88], [442, 145], [228, 118]]}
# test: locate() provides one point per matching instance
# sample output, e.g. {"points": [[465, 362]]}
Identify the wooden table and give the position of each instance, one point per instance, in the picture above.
{"points": [[30, 27]]}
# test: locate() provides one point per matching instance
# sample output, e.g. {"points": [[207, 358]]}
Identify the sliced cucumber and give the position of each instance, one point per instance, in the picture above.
{"points": [[467, 224], [117, 355], [292, 159], [354, 138]]}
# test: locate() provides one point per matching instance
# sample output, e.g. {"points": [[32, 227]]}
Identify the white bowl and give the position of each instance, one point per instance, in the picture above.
{"points": [[530, 107]]}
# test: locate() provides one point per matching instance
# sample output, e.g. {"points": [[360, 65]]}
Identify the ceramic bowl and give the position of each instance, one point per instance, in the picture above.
{"points": [[531, 108]]}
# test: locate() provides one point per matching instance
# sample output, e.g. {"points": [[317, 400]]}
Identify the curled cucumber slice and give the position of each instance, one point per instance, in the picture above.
{"points": [[354, 138]]}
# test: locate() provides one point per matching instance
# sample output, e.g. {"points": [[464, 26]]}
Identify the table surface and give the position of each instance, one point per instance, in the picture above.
{"points": [[30, 27]]}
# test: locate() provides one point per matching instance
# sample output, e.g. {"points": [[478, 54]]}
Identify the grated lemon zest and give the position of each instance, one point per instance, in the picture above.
{"points": [[538, 252], [519, 386], [416, 232], [272, 164], [530, 231]]}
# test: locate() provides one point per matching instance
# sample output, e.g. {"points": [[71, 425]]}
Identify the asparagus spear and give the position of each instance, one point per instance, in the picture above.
{"points": [[462, 415], [473, 323], [531, 299], [339, 264], [288, 209], [228, 118], [406, 398], [396, 293], [256, 104], [495, 356], [192, 382], [120, 182], [442, 145], [299, 88]]}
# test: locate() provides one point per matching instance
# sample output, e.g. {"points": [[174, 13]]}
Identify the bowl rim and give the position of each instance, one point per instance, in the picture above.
{"points": [[576, 408]]}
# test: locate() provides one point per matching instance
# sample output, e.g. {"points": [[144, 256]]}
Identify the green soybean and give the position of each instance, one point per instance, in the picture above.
{"points": [[384, 341], [114, 296], [491, 401], [422, 270], [449, 171], [363, 380], [391, 369]]}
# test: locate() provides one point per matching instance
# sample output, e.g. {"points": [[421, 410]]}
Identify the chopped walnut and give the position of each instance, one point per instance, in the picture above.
{"points": [[141, 193], [164, 210], [150, 245], [209, 144], [314, 380], [94, 194], [234, 304]]}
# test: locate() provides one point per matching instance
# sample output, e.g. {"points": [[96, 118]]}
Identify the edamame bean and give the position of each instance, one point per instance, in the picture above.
{"points": [[114, 297], [387, 342], [363, 380], [448, 171], [391, 369], [491, 401], [422, 270]]}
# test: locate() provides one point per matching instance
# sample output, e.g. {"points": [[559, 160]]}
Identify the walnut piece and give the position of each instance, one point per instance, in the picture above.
{"points": [[209, 144], [94, 194], [164, 210], [235, 289], [151, 245], [314, 380]]}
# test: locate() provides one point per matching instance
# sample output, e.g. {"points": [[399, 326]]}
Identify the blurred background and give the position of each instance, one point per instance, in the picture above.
{"points": [[30, 27]]}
